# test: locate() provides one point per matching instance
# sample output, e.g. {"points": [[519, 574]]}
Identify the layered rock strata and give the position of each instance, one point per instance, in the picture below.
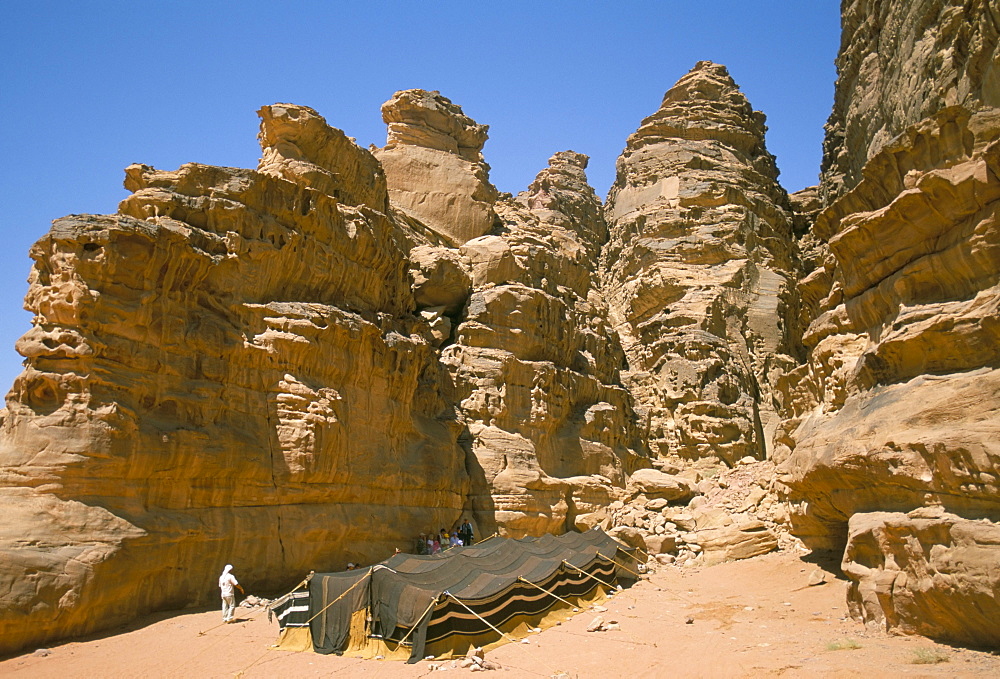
{"points": [[550, 427], [950, 591], [434, 165], [699, 271], [310, 363], [897, 407], [900, 62], [288, 369], [227, 370]]}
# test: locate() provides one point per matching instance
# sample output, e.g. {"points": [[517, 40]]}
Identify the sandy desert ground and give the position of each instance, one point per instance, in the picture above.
{"points": [[752, 618]]}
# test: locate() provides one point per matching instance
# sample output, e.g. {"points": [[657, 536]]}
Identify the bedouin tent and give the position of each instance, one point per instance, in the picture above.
{"points": [[445, 604]]}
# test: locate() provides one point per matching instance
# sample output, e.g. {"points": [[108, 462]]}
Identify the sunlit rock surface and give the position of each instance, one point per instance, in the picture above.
{"points": [[536, 364], [897, 406], [899, 62], [926, 572], [699, 269], [227, 370], [434, 165], [309, 363]]}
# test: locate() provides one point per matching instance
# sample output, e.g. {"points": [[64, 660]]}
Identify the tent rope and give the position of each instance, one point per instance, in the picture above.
{"points": [[624, 568], [633, 556], [638, 549], [495, 629], [243, 671], [588, 574], [522, 579], [360, 580], [417, 623]]}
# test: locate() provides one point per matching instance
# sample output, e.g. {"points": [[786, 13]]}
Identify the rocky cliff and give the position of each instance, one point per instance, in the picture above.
{"points": [[294, 367], [311, 362], [227, 369], [890, 439], [551, 428], [699, 271], [900, 62]]}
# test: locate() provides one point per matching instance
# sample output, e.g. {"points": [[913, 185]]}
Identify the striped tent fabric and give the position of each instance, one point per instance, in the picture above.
{"points": [[291, 610], [446, 603]]}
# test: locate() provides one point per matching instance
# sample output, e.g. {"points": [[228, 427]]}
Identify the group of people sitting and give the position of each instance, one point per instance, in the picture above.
{"points": [[435, 543]]}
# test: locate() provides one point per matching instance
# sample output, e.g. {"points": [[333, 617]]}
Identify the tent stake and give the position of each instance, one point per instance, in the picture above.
{"points": [[588, 574], [546, 591]]}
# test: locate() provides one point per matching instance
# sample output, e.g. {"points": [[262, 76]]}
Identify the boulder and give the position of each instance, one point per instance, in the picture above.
{"points": [[492, 261], [440, 278], [659, 544], [655, 484], [926, 572], [733, 542], [629, 536]]}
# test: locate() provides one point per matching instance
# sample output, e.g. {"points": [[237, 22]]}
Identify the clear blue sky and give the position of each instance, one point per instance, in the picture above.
{"points": [[88, 87]]}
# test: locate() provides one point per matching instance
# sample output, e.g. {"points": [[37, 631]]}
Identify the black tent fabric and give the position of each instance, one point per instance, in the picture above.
{"points": [[423, 601], [291, 610]]}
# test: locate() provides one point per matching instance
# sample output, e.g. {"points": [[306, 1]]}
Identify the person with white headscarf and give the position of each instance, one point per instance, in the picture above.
{"points": [[227, 581]]}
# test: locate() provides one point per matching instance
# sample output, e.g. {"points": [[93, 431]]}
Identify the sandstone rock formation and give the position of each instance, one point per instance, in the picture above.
{"points": [[434, 165], [551, 429], [897, 407], [243, 366], [950, 591], [699, 270], [298, 145], [702, 516], [900, 62], [308, 363], [227, 370]]}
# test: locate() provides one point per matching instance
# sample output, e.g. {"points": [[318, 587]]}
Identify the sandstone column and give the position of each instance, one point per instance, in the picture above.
{"points": [[698, 271]]}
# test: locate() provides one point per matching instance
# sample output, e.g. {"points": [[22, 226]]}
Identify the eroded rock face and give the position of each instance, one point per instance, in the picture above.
{"points": [[896, 407], [900, 62], [897, 403], [550, 427], [298, 145], [310, 363], [227, 370], [434, 165], [285, 370], [926, 572], [699, 269]]}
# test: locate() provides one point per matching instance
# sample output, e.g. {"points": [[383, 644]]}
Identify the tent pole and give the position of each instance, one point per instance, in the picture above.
{"points": [[588, 574], [462, 604], [638, 549], [546, 591]]}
